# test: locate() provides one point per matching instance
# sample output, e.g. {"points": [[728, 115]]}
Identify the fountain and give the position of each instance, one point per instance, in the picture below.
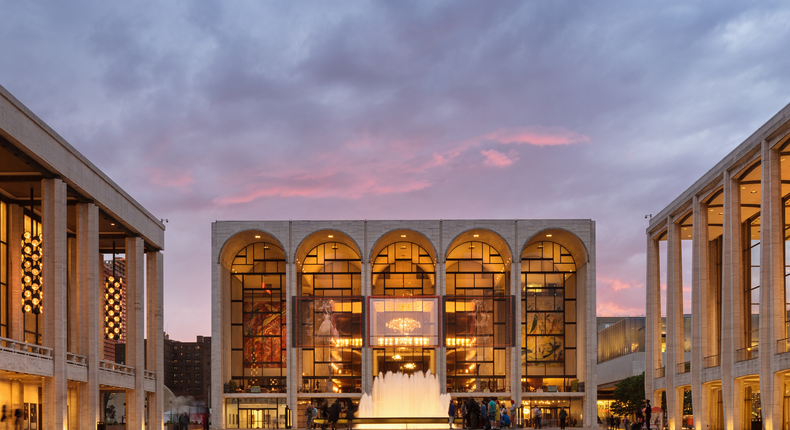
{"points": [[404, 397]]}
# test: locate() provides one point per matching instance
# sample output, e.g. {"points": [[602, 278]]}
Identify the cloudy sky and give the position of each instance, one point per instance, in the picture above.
{"points": [[221, 110]]}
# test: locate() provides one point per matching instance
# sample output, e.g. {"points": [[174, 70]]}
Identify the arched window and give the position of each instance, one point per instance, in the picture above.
{"points": [[258, 320], [477, 326], [331, 274], [548, 318], [404, 269]]}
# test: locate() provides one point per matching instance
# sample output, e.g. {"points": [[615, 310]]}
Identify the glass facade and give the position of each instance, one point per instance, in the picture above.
{"points": [[255, 413], [621, 338], [548, 318], [332, 276], [477, 319], [405, 269], [750, 214], [258, 319]]}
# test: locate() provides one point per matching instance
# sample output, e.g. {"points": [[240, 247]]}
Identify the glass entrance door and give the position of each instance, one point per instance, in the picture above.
{"points": [[258, 418]]}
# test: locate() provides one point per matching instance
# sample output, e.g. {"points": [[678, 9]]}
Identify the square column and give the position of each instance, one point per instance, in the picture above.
{"points": [[772, 285], [90, 329], [653, 314], [699, 302], [441, 351], [367, 351], [292, 369], [156, 342], [731, 304], [54, 300], [515, 361], [74, 315], [674, 323], [135, 286]]}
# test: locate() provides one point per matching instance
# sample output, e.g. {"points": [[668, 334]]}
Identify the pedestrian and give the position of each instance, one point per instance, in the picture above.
{"points": [[451, 413], [497, 416], [324, 413], [18, 419], [334, 414], [308, 414], [474, 414], [513, 410], [640, 419], [538, 417], [315, 415], [648, 412], [506, 422], [625, 423], [484, 413], [349, 414], [492, 409], [563, 416], [464, 413], [183, 421]]}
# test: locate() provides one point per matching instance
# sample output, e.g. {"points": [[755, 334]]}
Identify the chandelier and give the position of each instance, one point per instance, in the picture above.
{"points": [[112, 304], [32, 293], [404, 325]]}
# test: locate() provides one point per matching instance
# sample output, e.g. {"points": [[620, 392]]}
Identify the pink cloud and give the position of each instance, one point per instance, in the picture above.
{"points": [[536, 136], [617, 284], [495, 158], [611, 309], [170, 178]]}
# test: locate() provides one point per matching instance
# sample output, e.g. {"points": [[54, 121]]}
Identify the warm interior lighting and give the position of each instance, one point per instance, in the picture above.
{"points": [[404, 341], [330, 236], [345, 343], [410, 366], [32, 293], [404, 325], [112, 303], [257, 236], [403, 235], [397, 357], [548, 235], [461, 342]]}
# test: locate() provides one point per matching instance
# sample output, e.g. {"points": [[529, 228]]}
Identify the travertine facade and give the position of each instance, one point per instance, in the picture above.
{"points": [[736, 220], [51, 364], [252, 383]]}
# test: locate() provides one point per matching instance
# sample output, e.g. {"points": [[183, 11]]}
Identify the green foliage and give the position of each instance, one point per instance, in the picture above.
{"points": [[629, 395]]}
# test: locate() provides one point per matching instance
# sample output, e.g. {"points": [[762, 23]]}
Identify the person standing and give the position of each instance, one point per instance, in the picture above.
{"points": [[464, 413], [183, 421], [563, 416], [18, 419], [308, 414], [538, 415], [315, 415], [513, 409], [484, 413], [349, 414], [451, 413], [648, 412], [492, 407], [334, 414]]}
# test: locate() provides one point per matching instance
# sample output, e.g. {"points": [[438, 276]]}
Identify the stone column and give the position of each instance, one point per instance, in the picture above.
{"points": [[156, 334], [16, 226], [367, 351], [135, 286], [591, 330], [53, 223], [91, 323], [293, 359], [699, 309], [72, 308], [441, 351], [653, 315], [731, 292], [220, 334], [515, 362], [674, 322], [772, 284]]}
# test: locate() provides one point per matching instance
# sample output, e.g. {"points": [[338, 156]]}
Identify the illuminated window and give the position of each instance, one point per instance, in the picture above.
{"points": [[258, 319], [330, 311], [3, 269], [548, 318], [478, 319]]}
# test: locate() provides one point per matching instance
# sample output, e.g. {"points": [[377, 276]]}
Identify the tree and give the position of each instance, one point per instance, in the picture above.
{"points": [[629, 395]]}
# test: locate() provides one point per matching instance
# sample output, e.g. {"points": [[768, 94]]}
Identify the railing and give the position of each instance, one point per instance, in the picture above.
{"points": [[24, 348], [782, 346], [149, 375], [79, 360], [711, 361], [661, 372], [683, 367], [748, 353], [116, 368]]}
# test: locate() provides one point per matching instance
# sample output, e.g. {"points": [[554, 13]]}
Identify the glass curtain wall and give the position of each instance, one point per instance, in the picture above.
{"points": [[548, 318], [404, 269], [4, 266], [621, 338], [785, 180], [750, 233], [258, 319], [331, 272], [477, 321]]}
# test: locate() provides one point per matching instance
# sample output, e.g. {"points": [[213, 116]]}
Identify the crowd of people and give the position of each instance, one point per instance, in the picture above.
{"points": [[332, 414]]}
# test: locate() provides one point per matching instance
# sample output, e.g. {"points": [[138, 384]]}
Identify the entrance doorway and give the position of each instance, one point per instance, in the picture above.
{"points": [[258, 418]]}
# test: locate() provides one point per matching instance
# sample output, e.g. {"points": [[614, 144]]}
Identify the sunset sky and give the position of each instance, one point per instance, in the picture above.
{"points": [[231, 110]]}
